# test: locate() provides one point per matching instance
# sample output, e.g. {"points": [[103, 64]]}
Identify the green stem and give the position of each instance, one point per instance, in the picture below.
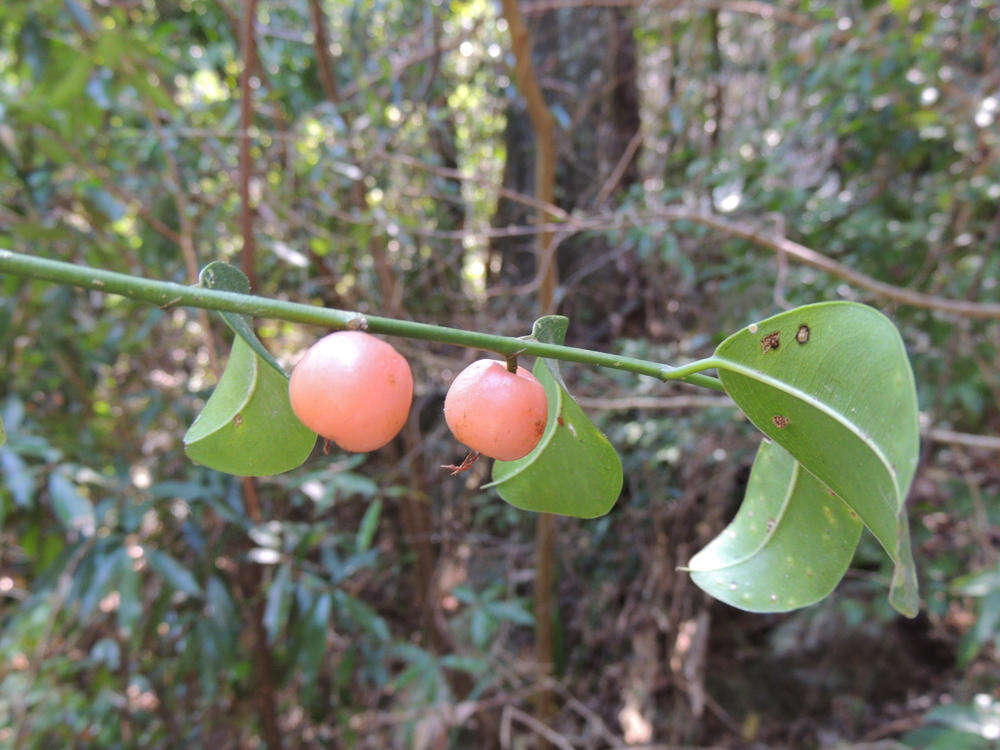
{"points": [[168, 293]]}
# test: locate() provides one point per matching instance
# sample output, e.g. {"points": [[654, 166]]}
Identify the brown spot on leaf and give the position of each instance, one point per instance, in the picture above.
{"points": [[560, 421], [238, 420], [802, 335], [540, 427], [770, 525], [771, 341], [780, 421]]}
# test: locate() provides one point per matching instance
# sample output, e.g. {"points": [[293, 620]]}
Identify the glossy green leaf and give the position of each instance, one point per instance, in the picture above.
{"points": [[314, 631], [353, 612], [247, 427], [175, 574], [788, 546], [279, 602], [129, 596], [981, 583], [368, 527], [831, 383], [18, 477], [228, 278], [73, 510], [574, 470]]}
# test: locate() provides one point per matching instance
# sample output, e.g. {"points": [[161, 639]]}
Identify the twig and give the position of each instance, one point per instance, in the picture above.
{"points": [[543, 730], [186, 237], [324, 60], [814, 259], [527, 200], [246, 119], [985, 442], [619, 170], [116, 190], [938, 435], [543, 123], [748, 7]]}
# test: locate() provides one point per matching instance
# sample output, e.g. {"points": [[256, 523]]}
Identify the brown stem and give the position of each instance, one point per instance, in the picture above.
{"points": [[323, 59], [543, 124], [265, 690], [247, 52], [718, 93], [253, 580]]}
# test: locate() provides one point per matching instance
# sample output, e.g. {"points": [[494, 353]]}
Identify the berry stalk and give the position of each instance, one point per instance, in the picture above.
{"points": [[170, 294]]}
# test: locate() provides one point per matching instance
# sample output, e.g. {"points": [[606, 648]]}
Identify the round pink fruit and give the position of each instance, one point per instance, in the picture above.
{"points": [[496, 412], [353, 389]]}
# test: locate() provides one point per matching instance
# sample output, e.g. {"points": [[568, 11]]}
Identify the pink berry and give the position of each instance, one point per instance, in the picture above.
{"points": [[353, 389], [496, 412]]}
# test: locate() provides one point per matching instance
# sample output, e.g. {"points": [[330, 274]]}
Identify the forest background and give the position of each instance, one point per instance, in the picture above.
{"points": [[662, 173]]}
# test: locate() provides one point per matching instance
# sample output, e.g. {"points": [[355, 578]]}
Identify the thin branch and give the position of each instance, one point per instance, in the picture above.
{"points": [[248, 51], [538, 727], [809, 257], [543, 123], [623, 162], [669, 403], [984, 442], [748, 7], [324, 59], [108, 184], [186, 238], [527, 200], [399, 65], [166, 292]]}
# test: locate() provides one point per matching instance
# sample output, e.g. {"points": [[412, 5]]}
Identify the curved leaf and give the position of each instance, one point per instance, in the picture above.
{"points": [[788, 546], [574, 470], [831, 383], [248, 427], [228, 278]]}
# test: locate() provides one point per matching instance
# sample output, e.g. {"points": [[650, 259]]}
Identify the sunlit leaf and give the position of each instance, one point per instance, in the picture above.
{"points": [[788, 546], [574, 470], [831, 383], [247, 427], [979, 583]]}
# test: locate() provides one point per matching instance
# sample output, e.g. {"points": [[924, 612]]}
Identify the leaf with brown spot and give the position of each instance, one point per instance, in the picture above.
{"points": [[851, 397], [771, 341]]}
